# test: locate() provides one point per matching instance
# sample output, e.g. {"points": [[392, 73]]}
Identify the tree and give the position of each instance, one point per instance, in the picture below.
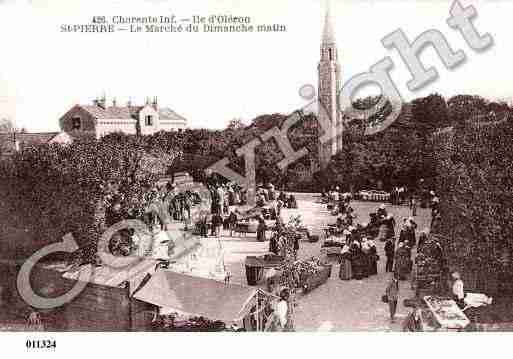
{"points": [[59, 189], [475, 186], [462, 108], [6, 125], [430, 113]]}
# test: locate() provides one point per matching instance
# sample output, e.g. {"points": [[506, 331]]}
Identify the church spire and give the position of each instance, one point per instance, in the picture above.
{"points": [[328, 35]]}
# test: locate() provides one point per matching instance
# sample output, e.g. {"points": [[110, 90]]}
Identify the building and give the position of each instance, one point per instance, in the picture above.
{"points": [[13, 142], [100, 119], [328, 87]]}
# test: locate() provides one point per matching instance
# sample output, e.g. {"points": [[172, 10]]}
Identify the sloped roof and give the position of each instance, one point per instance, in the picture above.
{"points": [[25, 139], [35, 138], [197, 296], [113, 112], [166, 114]]}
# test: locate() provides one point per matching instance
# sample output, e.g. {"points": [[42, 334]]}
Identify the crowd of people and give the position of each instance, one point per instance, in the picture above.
{"points": [[227, 201], [358, 256]]}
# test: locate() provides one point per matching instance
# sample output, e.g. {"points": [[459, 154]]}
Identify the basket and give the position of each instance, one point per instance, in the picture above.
{"points": [[313, 239]]}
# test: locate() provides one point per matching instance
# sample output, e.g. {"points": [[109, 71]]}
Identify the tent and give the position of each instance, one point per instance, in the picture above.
{"points": [[120, 270], [197, 296]]}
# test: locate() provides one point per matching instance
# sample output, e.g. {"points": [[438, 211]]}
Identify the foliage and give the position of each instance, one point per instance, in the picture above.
{"points": [[6, 125], [475, 186], [55, 189]]}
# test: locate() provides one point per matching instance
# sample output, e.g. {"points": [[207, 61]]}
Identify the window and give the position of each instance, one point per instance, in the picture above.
{"points": [[148, 120], [75, 123], [330, 54]]}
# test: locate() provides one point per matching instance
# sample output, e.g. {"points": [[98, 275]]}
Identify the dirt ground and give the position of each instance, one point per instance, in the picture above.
{"points": [[337, 305]]}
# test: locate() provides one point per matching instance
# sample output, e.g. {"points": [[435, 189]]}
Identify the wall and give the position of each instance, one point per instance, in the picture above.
{"points": [[87, 121], [146, 111], [97, 308], [127, 126]]}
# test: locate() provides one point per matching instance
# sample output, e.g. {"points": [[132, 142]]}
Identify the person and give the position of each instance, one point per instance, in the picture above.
{"points": [[202, 225], [367, 260], [336, 195], [217, 221], [392, 294], [389, 253], [402, 261], [410, 232], [232, 222], [382, 212], [137, 245], [357, 261], [292, 202], [423, 237], [281, 311], [403, 234], [279, 206], [283, 197], [390, 223], [373, 255], [261, 229], [413, 206], [272, 192], [345, 272], [260, 200], [458, 292], [413, 322]]}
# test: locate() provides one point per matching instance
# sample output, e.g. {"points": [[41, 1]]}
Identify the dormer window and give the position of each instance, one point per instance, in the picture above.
{"points": [[76, 123], [148, 120]]}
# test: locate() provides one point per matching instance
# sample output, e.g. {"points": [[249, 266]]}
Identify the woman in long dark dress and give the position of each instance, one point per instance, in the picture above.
{"points": [[402, 261], [373, 255], [366, 258], [346, 272], [261, 229], [357, 261]]}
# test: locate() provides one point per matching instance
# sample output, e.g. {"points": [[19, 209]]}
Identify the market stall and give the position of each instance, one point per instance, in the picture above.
{"points": [[255, 266], [332, 245], [308, 274], [244, 227], [202, 300], [447, 313]]}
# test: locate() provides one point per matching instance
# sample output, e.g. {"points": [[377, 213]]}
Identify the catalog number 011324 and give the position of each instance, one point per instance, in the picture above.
{"points": [[41, 344]]}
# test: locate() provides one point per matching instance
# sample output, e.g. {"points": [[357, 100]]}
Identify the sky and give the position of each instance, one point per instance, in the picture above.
{"points": [[211, 78]]}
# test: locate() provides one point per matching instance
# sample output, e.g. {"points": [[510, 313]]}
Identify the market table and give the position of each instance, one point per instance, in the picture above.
{"points": [[447, 313], [246, 227]]}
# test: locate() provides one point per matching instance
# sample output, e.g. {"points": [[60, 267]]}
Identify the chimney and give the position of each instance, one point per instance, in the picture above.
{"points": [[155, 103], [102, 102], [147, 100]]}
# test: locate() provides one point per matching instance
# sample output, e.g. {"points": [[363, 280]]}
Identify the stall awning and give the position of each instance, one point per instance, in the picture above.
{"points": [[197, 296]]}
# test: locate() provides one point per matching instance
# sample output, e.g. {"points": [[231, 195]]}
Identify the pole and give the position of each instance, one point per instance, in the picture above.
{"points": [[257, 312]]}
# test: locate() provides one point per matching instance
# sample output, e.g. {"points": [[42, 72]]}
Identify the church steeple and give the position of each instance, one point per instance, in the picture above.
{"points": [[328, 87], [328, 35]]}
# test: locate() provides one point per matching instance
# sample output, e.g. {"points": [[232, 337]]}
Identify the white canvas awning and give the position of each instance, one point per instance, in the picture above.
{"points": [[197, 296]]}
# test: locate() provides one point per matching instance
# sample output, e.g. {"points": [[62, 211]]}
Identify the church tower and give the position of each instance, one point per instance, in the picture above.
{"points": [[328, 87]]}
